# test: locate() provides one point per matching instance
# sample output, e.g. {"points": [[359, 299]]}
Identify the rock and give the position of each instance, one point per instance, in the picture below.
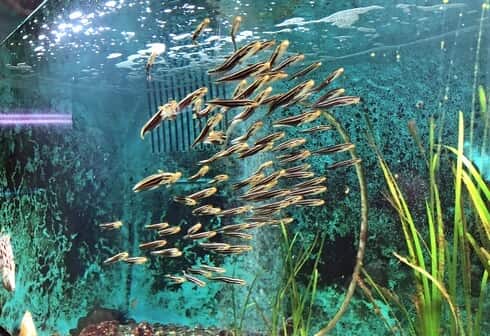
{"points": [[107, 328]]}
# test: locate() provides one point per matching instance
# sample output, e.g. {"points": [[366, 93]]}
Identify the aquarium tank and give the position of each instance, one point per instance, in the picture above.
{"points": [[245, 167]]}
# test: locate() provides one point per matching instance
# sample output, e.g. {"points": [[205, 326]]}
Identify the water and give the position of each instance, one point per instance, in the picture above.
{"points": [[85, 61]]}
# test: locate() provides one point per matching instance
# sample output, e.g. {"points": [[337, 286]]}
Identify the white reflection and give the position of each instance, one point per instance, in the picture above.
{"points": [[75, 15]]}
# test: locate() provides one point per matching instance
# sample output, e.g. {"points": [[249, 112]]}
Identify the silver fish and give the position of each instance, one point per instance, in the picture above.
{"points": [[200, 29], [234, 281], [118, 257], [306, 70], [346, 163]]}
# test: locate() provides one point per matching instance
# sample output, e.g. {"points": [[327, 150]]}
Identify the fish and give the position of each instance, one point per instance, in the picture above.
{"points": [[267, 179], [305, 71], [290, 144], [158, 226], [259, 196], [296, 93], [7, 263], [111, 226], [298, 119], [299, 174], [330, 95], [235, 148], [238, 56], [235, 211], [153, 244], [267, 212], [270, 138], [239, 88], [27, 327], [232, 102], [191, 97], [172, 252], [211, 123], [204, 112], [264, 166], [249, 180], [235, 249], [311, 202], [308, 191], [197, 106], [169, 231], [346, 163], [310, 183], [225, 279], [213, 269], [295, 156], [249, 90], [285, 220], [291, 199], [199, 29], [155, 180], [164, 112], [201, 235], [170, 110], [175, 279], [257, 148], [200, 173], [248, 111], [241, 235], [289, 61], [219, 178], [193, 279], [136, 260], [206, 210], [330, 78], [150, 63], [338, 101], [250, 70], [205, 193], [266, 44], [319, 128], [254, 128], [197, 271], [117, 257], [278, 52], [185, 200], [234, 29], [301, 167], [194, 228], [214, 246], [334, 149], [273, 76], [234, 227], [264, 186], [151, 124]]}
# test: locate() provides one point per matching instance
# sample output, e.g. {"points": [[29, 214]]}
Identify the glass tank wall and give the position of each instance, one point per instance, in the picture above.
{"points": [[98, 144]]}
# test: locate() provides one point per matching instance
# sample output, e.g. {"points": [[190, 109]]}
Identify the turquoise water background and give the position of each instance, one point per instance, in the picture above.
{"points": [[408, 60]]}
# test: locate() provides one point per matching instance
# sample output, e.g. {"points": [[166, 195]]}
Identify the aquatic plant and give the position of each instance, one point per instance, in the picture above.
{"points": [[436, 261], [293, 306]]}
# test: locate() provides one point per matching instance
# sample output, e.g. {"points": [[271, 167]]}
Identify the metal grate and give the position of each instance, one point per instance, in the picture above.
{"points": [[177, 135]]}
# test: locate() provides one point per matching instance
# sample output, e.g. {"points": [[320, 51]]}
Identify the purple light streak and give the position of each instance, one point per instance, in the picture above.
{"points": [[13, 119]]}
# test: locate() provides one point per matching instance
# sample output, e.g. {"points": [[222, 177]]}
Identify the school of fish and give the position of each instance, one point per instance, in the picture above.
{"points": [[279, 183]]}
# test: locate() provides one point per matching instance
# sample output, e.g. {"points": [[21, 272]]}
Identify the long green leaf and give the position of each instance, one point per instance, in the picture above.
{"points": [[473, 172], [441, 288]]}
